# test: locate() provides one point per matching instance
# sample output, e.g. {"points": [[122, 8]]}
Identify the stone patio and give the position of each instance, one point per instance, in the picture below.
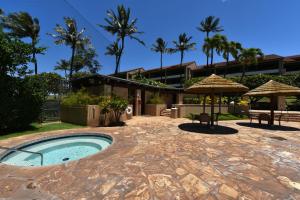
{"points": [[155, 158]]}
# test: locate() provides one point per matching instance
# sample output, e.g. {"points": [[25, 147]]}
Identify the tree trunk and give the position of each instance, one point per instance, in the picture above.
{"points": [[34, 58], [227, 63], [181, 59], [207, 56], [117, 63], [121, 53], [212, 60], [72, 61], [243, 74], [161, 64], [35, 63]]}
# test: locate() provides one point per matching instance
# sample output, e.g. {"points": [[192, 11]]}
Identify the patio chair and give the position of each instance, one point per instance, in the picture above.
{"points": [[264, 117], [204, 117], [252, 116]]}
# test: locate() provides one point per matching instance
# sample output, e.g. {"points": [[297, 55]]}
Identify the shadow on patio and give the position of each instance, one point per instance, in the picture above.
{"points": [[198, 128], [268, 127]]}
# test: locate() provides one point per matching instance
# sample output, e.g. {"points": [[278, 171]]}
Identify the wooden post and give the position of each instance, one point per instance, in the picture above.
{"points": [[220, 99], [212, 106], [204, 101], [272, 109]]}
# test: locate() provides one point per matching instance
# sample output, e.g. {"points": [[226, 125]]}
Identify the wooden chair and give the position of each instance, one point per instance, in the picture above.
{"points": [[204, 117], [264, 117]]}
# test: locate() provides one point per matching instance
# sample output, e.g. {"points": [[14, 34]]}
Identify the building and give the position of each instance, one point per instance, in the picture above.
{"points": [[270, 64], [130, 74], [173, 76], [136, 93]]}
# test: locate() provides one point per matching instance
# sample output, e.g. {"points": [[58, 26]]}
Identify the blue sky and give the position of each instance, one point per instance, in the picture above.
{"points": [[272, 25]]}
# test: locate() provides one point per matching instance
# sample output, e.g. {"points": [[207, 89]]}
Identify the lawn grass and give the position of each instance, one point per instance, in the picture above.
{"points": [[38, 128], [228, 116]]}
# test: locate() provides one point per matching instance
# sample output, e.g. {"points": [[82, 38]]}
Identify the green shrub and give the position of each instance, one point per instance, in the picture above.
{"points": [[20, 103], [80, 98], [115, 104], [141, 79], [118, 107], [155, 99]]}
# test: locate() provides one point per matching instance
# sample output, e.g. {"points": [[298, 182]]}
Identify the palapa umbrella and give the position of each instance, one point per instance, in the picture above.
{"points": [[216, 85], [273, 89]]}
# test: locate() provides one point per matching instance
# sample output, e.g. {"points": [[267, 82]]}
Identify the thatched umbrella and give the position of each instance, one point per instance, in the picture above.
{"points": [[216, 85], [273, 89]]}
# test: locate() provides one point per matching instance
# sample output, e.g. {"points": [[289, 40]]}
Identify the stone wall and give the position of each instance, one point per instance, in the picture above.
{"points": [[185, 109], [154, 109], [81, 115]]}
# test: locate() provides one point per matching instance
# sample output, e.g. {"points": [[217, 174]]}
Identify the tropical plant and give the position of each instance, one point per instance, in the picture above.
{"points": [[86, 58], [228, 48], [160, 46], [83, 59], [20, 103], [155, 99], [183, 44], [141, 79], [23, 25], [249, 57], [79, 98], [114, 50], [63, 65], [122, 26], [208, 25], [213, 44], [14, 56], [118, 106], [70, 36]]}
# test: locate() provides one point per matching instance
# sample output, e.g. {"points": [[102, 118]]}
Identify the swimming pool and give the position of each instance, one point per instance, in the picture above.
{"points": [[56, 150]]}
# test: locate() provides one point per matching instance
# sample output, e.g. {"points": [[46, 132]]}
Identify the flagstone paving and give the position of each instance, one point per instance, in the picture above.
{"points": [[155, 158]]}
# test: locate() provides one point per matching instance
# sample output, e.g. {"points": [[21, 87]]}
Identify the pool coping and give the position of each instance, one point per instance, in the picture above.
{"points": [[49, 138]]}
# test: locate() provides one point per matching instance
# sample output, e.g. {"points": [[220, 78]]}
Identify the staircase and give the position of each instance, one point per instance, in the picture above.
{"points": [[165, 112]]}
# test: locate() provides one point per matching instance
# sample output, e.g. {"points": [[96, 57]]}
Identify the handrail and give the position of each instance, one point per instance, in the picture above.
{"points": [[25, 151]]}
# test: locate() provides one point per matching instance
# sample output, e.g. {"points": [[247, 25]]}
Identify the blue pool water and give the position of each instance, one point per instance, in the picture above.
{"points": [[58, 150]]}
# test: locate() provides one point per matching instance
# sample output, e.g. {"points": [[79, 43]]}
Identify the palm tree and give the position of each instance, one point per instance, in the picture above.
{"points": [[212, 44], [208, 25], [183, 44], [119, 24], [23, 25], [229, 48], [160, 46], [114, 50], [249, 57], [70, 36], [63, 65]]}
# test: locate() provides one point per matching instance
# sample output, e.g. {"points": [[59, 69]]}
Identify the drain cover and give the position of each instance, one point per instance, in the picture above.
{"points": [[65, 159], [278, 138]]}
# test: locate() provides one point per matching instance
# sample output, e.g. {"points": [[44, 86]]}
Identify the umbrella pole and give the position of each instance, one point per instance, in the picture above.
{"points": [[272, 109], [212, 97], [204, 101], [220, 99]]}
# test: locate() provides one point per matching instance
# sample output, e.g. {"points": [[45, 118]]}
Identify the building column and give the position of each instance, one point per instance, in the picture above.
{"points": [[138, 102], [179, 98], [281, 103], [281, 68]]}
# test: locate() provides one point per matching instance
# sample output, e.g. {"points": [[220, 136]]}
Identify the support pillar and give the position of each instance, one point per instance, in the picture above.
{"points": [[179, 98], [138, 102]]}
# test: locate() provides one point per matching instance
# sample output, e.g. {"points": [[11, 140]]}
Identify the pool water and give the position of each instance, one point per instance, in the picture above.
{"points": [[58, 150]]}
